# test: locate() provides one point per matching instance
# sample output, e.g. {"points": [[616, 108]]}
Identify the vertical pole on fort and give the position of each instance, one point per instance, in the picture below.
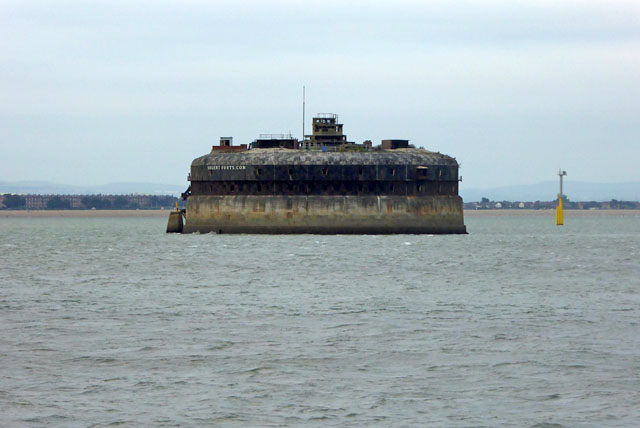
{"points": [[559, 212], [303, 106]]}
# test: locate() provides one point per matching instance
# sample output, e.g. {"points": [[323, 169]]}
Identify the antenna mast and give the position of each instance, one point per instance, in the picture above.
{"points": [[303, 101]]}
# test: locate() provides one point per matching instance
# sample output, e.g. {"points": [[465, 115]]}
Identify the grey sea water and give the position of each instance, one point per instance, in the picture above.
{"points": [[111, 322]]}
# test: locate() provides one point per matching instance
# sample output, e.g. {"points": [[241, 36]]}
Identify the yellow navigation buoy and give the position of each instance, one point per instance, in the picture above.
{"points": [[559, 213]]}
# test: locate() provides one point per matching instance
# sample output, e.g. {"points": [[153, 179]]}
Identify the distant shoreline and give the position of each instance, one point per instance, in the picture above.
{"points": [[165, 213], [549, 213], [82, 213]]}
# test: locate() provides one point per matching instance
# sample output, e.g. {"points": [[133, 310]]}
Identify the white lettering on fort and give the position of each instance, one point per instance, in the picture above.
{"points": [[226, 167]]}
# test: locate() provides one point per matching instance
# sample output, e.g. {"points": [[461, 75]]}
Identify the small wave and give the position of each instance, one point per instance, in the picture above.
{"points": [[547, 425], [148, 348], [549, 397], [92, 390], [255, 371], [94, 359], [510, 363], [113, 379], [219, 346], [344, 325], [46, 419]]}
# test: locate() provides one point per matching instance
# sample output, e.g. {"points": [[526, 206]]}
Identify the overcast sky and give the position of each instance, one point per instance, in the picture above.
{"points": [[95, 92]]}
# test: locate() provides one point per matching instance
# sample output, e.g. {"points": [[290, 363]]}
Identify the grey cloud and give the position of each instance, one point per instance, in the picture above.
{"points": [[521, 81]]}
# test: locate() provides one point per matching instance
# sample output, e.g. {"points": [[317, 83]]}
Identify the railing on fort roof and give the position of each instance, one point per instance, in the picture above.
{"points": [[276, 137], [327, 116]]}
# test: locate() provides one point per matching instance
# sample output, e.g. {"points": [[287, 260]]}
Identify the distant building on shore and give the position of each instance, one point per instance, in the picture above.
{"points": [[43, 202], [486, 204]]}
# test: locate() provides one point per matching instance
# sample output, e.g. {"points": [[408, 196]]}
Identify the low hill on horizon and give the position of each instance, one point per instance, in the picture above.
{"points": [[548, 191], [544, 191]]}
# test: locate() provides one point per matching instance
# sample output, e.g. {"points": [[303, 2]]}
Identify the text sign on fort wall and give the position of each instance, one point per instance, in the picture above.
{"points": [[226, 167]]}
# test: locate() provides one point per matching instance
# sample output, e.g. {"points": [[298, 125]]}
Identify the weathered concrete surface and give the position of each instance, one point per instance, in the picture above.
{"points": [[175, 224], [276, 164], [309, 157], [324, 214]]}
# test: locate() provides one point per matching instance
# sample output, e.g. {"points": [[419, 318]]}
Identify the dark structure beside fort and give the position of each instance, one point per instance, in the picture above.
{"points": [[324, 184]]}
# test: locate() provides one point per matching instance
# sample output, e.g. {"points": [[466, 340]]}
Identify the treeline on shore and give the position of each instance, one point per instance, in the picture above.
{"points": [[613, 204], [87, 202], [132, 202]]}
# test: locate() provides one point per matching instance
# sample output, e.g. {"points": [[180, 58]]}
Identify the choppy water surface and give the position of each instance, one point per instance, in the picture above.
{"points": [[521, 323]]}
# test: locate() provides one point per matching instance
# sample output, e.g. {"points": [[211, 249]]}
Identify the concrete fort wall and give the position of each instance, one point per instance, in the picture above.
{"points": [[369, 214]]}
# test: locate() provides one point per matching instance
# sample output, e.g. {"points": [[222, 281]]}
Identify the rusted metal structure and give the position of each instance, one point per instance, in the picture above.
{"points": [[326, 188], [327, 132]]}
